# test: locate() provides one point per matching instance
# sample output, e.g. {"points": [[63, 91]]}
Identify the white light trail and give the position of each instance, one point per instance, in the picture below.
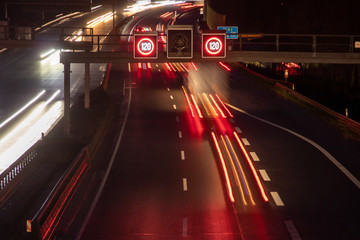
{"points": [[22, 109]]}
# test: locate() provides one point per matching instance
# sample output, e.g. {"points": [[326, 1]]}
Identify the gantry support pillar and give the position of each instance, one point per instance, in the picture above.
{"points": [[67, 99], [87, 85]]}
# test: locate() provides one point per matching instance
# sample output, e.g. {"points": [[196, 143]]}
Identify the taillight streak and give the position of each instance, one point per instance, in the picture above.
{"points": [[196, 106], [222, 103], [235, 172], [224, 66], [241, 171], [168, 67], [187, 70], [194, 66], [188, 101], [224, 168], [217, 106], [261, 188]]}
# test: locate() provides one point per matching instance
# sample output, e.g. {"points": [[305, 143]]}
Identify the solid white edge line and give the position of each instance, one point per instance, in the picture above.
{"points": [[314, 144], [292, 230], [254, 156], [264, 175], [185, 185], [106, 175], [277, 199]]}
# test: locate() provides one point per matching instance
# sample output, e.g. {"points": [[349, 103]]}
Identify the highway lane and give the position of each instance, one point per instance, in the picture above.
{"points": [[27, 72], [319, 199], [154, 191], [167, 181]]}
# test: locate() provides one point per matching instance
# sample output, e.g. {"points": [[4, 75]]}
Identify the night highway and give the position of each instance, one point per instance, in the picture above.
{"points": [[194, 150]]}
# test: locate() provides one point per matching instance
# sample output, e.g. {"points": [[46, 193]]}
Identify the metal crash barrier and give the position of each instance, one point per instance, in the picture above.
{"points": [[47, 218]]}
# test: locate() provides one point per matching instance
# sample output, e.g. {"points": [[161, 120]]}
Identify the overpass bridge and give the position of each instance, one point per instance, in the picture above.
{"points": [[82, 46]]}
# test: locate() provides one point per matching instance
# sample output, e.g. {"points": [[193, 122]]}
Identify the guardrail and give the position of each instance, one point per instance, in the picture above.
{"points": [[296, 43], [12, 175], [350, 124], [46, 220], [245, 41], [346, 122]]}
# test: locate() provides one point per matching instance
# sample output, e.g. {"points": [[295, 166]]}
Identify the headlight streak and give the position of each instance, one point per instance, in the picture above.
{"points": [[103, 18], [52, 59], [261, 188], [230, 192], [22, 109], [46, 54], [144, 5], [28, 132]]}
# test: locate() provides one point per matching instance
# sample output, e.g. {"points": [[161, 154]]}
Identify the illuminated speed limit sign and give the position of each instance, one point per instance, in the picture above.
{"points": [[145, 46], [213, 45]]}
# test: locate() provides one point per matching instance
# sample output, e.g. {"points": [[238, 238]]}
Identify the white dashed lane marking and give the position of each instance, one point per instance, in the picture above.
{"points": [[292, 230], [254, 156], [182, 155], [245, 141], [264, 175], [185, 185], [277, 199]]}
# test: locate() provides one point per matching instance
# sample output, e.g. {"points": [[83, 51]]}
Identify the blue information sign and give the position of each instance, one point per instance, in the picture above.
{"points": [[232, 31]]}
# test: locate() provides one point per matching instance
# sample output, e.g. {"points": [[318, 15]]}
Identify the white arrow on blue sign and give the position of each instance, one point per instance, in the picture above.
{"points": [[232, 31]]}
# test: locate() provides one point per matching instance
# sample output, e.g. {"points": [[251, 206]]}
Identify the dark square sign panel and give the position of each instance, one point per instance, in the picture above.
{"points": [[145, 46], [213, 45]]}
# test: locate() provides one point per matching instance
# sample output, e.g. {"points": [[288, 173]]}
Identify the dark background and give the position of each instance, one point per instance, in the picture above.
{"points": [[291, 16]]}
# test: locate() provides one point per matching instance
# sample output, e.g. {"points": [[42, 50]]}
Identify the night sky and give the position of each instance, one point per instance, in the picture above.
{"points": [[292, 16]]}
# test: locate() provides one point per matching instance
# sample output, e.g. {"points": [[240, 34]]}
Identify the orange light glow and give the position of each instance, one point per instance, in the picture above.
{"points": [[222, 103], [224, 168], [237, 178], [139, 65], [172, 67], [263, 194], [196, 106], [149, 65], [168, 67], [217, 106], [184, 67]]}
